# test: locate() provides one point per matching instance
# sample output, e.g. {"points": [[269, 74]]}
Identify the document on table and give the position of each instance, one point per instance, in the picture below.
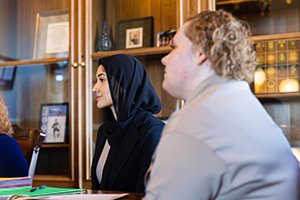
{"points": [[88, 196], [73, 197]]}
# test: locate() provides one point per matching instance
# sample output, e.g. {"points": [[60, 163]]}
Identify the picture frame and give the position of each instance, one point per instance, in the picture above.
{"points": [[52, 34], [54, 121], [164, 38], [135, 33], [7, 77]]}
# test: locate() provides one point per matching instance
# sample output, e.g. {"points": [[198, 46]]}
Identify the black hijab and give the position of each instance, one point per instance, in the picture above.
{"points": [[131, 92], [130, 88]]}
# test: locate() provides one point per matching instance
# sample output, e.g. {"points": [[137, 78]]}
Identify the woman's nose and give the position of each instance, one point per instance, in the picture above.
{"points": [[94, 89]]}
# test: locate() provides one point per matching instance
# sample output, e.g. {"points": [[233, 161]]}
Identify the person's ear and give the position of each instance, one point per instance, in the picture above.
{"points": [[201, 58]]}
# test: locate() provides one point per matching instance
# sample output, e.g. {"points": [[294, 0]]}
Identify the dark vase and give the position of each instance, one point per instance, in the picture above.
{"points": [[104, 41]]}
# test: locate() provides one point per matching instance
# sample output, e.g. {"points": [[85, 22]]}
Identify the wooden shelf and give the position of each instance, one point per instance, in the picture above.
{"points": [[289, 95], [55, 145], [51, 178], [228, 2], [283, 36], [33, 62], [134, 52]]}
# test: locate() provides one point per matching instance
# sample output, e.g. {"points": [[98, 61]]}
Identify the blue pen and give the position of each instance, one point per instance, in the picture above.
{"points": [[38, 188]]}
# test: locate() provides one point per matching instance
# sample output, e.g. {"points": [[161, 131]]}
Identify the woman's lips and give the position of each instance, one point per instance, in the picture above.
{"points": [[98, 98]]}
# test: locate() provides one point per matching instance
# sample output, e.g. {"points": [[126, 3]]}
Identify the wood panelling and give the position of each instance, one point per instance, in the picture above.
{"points": [[155, 71], [190, 8], [8, 28], [164, 13]]}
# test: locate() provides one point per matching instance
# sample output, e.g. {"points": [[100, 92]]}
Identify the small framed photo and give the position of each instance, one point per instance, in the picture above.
{"points": [[51, 34], [54, 122], [134, 38], [136, 33], [164, 38]]}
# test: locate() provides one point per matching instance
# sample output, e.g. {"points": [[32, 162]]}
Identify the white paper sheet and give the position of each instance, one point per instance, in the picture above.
{"points": [[57, 40], [88, 196]]}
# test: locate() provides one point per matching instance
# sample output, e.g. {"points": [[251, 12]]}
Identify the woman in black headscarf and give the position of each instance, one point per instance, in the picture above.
{"points": [[130, 133]]}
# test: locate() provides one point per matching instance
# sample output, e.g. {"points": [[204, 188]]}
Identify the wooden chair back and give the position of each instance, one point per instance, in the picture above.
{"points": [[30, 141]]}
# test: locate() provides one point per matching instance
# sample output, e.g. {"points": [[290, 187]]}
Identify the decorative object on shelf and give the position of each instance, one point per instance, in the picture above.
{"points": [[271, 72], [271, 46], [280, 71], [271, 58], [260, 59], [54, 122], [260, 47], [293, 57], [52, 35], [104, 42], [271, 85], [289, 85], [294, 71], [281, 45], [264, 4], [293, 44], [259, 79], [164, 38], [135, 33], [281, 58]]}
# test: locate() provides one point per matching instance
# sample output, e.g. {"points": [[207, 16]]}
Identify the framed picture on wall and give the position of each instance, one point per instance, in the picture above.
{"points": [[136, 33], [51, 34], [164, 38], [54, 122]]}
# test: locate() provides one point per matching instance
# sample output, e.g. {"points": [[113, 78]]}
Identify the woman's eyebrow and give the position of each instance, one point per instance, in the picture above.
{"points": [[101, 74]]}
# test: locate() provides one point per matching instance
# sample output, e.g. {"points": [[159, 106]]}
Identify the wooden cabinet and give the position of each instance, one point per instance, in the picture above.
{"points": [[26, 83], [68, 164], [276, 33]]}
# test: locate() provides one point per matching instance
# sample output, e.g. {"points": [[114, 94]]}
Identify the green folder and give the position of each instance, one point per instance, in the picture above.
{"points": [[25, 191]]}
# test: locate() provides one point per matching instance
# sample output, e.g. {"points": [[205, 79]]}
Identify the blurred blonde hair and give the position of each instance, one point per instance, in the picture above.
{"points": [[225, 41], [5, 124]]}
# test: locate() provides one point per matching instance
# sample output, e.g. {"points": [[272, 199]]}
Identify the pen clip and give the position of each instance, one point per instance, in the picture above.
{"points": [[37, 188]]}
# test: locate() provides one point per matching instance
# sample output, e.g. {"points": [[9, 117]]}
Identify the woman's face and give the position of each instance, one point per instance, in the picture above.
{"points": [[101, 89]]}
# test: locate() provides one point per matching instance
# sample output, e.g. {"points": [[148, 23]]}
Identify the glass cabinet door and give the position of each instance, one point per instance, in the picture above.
{"points": [[36, 80], [276, 32]]}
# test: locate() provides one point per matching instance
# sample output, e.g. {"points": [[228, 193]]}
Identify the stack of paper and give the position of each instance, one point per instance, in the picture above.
{"points": [[15, 182]]}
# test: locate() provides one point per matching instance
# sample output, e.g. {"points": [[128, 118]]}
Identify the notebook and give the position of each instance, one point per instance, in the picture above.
{"points": [[25, 191]]}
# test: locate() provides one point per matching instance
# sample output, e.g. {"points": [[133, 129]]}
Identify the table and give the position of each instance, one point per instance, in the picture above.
{"points": [[131, 196]]}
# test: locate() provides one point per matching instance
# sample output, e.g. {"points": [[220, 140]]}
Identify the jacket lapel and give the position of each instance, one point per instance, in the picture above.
{"points": [[132, 137]]}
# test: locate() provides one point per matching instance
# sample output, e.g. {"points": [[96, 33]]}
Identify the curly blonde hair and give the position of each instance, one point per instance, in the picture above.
{"points": [[5, 124], [225, 41]]}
